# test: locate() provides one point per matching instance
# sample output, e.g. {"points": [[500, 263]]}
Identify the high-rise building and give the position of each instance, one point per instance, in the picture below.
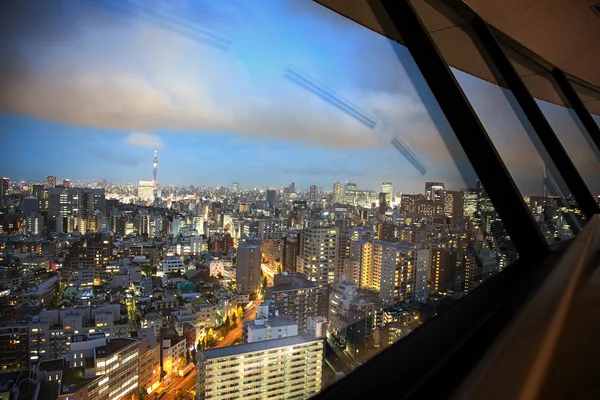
{"points": [[338, 192], [235, 187], [50, 181], [146, 190], [66, 183], [313, 192], [454, 204], [271, 197], [351, 193], [4, 184], [318, 253], [442, 271], [390, 269], [291, 250], [248, 269], [75, 202], [388, 189], [93, 250], [295, 296], [283, 368], [434, 191]]}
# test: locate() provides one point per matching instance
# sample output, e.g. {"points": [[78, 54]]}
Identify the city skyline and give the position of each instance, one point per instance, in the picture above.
{"points": [[214, 95]]}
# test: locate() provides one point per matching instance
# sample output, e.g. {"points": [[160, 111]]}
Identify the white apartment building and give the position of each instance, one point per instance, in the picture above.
{"points": [[265, 327], [284, 368], [171, 264]]}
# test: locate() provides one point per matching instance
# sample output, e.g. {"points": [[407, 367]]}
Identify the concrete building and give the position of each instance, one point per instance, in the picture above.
{"points": [[171, 264], [390, 269], [248, 268], [14, 342], [265, 327], [318, 253], [111, 371], [149, 362], [295, 296], [284, 368]]}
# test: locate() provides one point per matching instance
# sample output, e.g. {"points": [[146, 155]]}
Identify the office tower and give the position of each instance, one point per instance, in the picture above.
{"points": [[338, 192], [38, 190], [454, 204], [30, 205], [434, 191], [146, 190], [271, 197], [390, 269], [235, 187], [318, 253], [442, 270], [313, 192], [271, 229], [295, 296], [469, 203], [388, 189], [248, 269], [66, 183], [386, 231], [282, 368], [350, 193], [343, 254], [265, 327], [50, 181], [75, 202]]}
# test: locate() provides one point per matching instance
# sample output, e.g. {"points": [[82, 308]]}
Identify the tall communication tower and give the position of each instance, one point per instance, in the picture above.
{"points": [[155, 183]]}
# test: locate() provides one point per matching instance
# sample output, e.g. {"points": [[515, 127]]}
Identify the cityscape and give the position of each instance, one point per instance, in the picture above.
{"points": [[215, 201], [153, 291]]}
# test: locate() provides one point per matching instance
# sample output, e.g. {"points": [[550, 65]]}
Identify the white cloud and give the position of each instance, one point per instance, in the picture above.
{"points": [[142, 139]]}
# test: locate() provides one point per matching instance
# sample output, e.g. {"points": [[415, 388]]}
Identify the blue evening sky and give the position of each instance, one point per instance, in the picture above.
{"points": [[91, 87]]}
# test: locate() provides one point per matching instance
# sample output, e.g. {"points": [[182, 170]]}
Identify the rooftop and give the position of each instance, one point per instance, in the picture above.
{"points": [[257, 346], [75, 376], [273, 322], [52, 365], [295, 281], [116, 344]]}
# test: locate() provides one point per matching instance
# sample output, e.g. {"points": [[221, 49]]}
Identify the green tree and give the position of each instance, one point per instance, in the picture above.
{"points": [[264, 282], [233, 318], [278, 268]]}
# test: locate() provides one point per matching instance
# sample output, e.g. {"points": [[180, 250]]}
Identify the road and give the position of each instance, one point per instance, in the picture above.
{"points": [[180, 387], [236, 333], [270, 273]]}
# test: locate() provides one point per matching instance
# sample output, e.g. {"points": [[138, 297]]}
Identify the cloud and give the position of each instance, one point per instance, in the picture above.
{"points": [[141, 139], [138, 76]]}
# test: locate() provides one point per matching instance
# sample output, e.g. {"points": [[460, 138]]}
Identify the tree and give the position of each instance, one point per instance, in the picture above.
{"points": [[278, 268], [264, 282], [210, 336], [233, 318], [227, 323], [240, 312]]}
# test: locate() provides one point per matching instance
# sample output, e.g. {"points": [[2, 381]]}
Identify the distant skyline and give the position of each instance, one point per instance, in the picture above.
{"points": [[90, 88]]}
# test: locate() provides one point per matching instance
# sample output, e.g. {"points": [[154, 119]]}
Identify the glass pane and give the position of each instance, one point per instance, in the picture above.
{"points": [[289, 139], [591, 99], [573, 136], [533, 171]]}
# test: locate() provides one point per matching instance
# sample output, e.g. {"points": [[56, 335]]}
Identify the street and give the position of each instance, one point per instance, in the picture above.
{"points": [[269, 273], [180, 387], [236, 333]]}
